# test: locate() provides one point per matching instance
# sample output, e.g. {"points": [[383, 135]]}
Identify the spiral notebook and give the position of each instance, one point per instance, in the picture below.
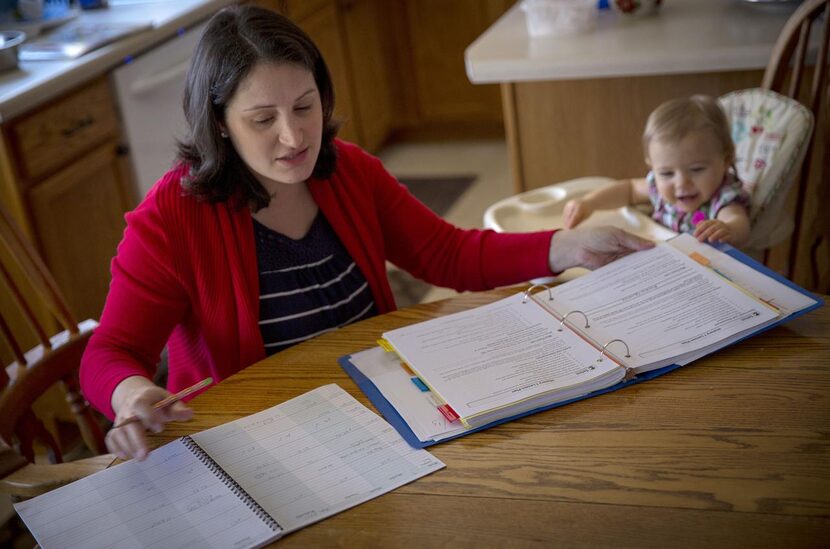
{"points": [[242, 484], [629, 321]]}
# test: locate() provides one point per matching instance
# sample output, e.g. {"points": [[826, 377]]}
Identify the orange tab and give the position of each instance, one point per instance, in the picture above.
{"points": [[703, 260]]}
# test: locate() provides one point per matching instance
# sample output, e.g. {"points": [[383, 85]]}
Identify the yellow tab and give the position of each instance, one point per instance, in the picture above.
{"points": [[386, 346], [703, 260]]}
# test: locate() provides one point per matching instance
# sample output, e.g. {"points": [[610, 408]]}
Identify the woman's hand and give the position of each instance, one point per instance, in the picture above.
{"points": [[576, 211], [134, 398], [592, 247]]}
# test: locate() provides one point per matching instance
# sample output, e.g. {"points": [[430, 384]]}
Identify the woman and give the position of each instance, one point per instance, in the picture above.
{"points": [[270, 231]]}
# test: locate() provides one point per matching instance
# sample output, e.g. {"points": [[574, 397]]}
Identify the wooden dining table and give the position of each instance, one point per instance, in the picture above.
{"points": [[732, 450]]}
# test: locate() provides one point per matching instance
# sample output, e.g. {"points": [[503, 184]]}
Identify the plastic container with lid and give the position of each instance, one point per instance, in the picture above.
{"points": [[559, 17]]}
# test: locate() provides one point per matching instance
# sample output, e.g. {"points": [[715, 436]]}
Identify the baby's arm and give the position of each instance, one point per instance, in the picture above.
{"points": [[622, 193], [731, 226]]}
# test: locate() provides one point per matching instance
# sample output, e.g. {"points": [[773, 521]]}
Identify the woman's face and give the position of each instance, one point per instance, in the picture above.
{"points": [[275, 122]]}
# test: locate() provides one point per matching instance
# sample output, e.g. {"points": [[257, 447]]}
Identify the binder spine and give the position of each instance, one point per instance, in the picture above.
{"points": [[237, 490]]}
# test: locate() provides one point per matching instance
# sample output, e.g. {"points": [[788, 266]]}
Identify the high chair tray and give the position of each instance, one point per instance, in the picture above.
{"points": [[541, 209]]}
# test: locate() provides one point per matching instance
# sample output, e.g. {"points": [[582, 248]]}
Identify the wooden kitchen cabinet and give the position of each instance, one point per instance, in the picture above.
{"points": [[370, 65], [65, 179], [78, 215], [53, 136], [398, 67], [431, 46], [323, 27]]}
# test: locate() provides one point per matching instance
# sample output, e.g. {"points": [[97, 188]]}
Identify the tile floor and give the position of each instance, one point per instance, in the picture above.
{"points": [[488, 160]]}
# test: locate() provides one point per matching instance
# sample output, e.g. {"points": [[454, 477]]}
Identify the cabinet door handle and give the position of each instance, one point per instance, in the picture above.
{"points": [[78, 126]]}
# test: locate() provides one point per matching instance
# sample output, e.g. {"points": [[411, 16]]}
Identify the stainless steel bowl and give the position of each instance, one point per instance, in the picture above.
{"points": [[10, 41]]}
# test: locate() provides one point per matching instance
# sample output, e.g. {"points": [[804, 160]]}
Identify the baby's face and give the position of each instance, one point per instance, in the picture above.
{"points": [[688, 172]]}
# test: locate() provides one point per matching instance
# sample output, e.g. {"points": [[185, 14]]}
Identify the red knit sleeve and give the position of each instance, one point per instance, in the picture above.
{"points": [[422, 243], [144, 303]]}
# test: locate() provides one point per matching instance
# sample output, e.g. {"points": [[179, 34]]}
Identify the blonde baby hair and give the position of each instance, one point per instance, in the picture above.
{"points": [[676, 118]]}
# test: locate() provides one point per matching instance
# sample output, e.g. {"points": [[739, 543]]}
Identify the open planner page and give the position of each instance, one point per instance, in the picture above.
{"points": [[500, 355], [168, 500], [314, 455], [298, 462], [664, 305]]}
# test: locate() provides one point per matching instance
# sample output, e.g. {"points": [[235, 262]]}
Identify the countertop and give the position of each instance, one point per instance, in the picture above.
{"points": [[687, 36], [35, 82]]}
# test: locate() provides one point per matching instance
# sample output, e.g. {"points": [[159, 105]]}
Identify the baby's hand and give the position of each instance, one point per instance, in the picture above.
{"points": [[714, 230], [575, 212]]}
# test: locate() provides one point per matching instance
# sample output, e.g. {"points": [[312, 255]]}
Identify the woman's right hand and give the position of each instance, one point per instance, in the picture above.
{"points": [[576, 211], [134, 398]]}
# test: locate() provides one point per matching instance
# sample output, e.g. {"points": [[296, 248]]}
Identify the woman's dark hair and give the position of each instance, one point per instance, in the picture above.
{"points": [[234, 41]]}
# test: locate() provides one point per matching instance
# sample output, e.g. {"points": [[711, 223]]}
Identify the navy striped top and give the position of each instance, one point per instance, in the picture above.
{"points": [[308, 286]]}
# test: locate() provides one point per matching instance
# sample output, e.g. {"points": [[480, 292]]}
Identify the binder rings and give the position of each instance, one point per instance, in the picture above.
{"points": [[732, 265]]}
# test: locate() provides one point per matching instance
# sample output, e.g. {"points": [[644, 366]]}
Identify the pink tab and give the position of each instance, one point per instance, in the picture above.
{"points": [[448, 412]]}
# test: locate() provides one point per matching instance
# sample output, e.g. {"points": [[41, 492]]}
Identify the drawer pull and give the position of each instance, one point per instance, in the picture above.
{"points": [[79, 125]]}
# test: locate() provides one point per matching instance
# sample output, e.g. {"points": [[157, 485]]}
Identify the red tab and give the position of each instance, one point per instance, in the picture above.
{"points": [[448, 412]]}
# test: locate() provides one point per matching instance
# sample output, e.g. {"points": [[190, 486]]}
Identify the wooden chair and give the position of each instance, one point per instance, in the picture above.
{"points": [[54, 360], [821, 227], [785, 75]]}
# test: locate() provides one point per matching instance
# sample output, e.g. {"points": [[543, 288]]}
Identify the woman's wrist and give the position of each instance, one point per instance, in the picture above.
{"points": [[559, 252], [126, 388]]}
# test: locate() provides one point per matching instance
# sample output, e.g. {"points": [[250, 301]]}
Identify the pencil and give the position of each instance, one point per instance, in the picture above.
{"points": [[167, 401]]}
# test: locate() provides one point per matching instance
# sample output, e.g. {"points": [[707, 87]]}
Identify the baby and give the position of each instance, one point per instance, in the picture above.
{"points": [[692, 184]]}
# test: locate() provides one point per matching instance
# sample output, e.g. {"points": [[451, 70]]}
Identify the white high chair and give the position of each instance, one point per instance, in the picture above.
{"points": [[771, 134]]}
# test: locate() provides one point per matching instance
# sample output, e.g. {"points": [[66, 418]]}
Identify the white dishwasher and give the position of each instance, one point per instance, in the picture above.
{"points": [[150, 88]]}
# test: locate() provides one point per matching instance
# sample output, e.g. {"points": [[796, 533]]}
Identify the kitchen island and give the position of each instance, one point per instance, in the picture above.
{"points": [[576, 105]]}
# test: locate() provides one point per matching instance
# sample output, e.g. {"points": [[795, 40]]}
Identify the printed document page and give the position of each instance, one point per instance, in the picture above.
{"points": [[765, 288], [500, 354], [663, 304], [314, 456]]}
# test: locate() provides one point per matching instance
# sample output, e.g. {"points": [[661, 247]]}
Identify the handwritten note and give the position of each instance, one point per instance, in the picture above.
{"points": [[169, 500]]}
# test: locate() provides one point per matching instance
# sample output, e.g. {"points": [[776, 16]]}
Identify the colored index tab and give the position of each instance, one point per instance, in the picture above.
{"points": [[700, 258], [386, 346], [448, 413], [420, 384]]}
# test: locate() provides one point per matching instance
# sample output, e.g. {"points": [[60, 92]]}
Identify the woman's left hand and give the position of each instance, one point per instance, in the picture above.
{"points": [[592, 247]]}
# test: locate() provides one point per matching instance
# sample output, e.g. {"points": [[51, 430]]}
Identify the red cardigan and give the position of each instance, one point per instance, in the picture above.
{"points": [[185, 273]]}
